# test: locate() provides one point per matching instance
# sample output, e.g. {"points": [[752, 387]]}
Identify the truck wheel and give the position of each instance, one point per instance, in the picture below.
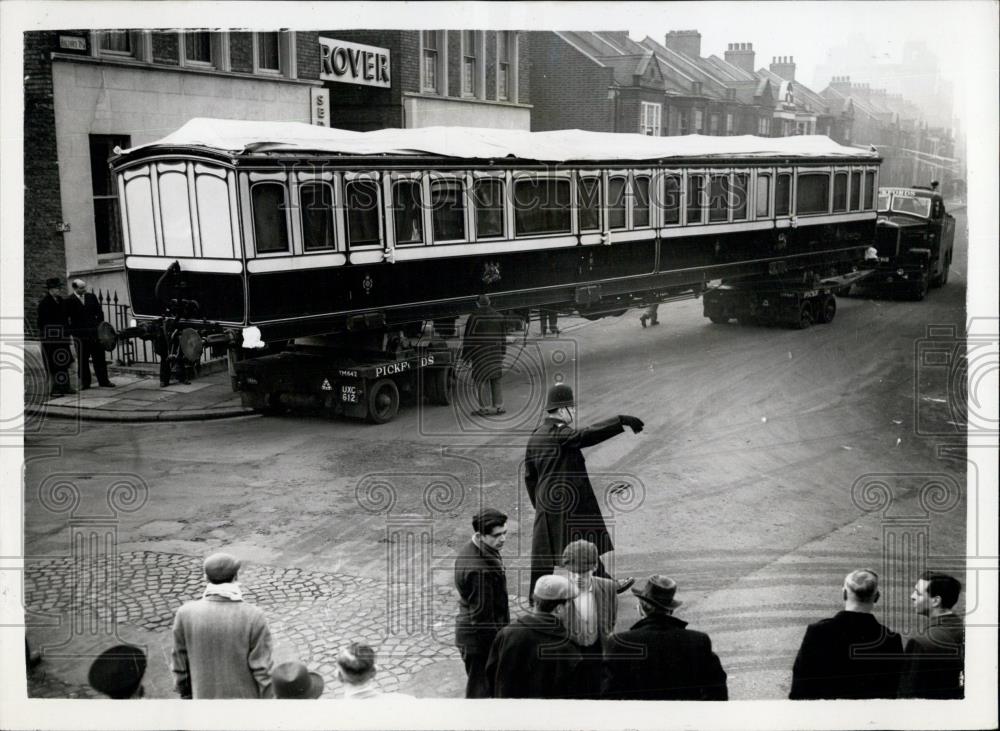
{"points": [[383, 401], [746, 320], [439, 385], [920, 289], [718, 318], [828, 310], [805, 316]]}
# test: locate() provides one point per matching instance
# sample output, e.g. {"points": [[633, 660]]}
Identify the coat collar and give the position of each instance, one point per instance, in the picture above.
{"points": [[660, 621], [545, 624]]}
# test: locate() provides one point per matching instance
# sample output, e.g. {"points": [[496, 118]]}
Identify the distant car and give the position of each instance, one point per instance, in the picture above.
{"points": [[914, 240]]}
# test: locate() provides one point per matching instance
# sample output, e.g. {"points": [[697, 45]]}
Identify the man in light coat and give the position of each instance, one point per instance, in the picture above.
{"points": [[222, 645]]}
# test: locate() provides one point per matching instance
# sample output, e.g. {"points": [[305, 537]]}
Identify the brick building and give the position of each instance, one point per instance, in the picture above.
{"points": [[87, 92], [471, 78]]}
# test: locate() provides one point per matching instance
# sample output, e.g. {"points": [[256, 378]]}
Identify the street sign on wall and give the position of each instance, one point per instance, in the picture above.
{"points": [[353, 63]]}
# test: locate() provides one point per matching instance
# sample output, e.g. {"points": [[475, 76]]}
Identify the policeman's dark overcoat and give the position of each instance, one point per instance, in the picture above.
{"points": [[484, 343], [566, 508]]}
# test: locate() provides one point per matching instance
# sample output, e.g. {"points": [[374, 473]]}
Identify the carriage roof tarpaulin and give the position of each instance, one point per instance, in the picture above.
{"points": [[243, 137]]}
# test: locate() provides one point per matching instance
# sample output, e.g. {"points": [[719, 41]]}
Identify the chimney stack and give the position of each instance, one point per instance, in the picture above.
{"points": [[783, 66], [841, 84], [741, 55], [687, 42]]}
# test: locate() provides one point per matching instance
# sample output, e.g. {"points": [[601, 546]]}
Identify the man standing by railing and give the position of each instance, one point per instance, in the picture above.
{"points": [[85, 314]]}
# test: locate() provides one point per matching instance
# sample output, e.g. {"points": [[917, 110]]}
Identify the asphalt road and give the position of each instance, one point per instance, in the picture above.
{"points": [[755, 483]]}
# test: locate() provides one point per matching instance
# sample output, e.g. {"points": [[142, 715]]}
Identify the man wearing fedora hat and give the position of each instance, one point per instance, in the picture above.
{"points": [[555, 475], [118, 672], [222, 645], [659, 659], [53, 331], [293, 680], [590, 615], [533, 656]]}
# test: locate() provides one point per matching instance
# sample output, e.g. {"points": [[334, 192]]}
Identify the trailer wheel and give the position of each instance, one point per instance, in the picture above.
{"points": [[383, 401], [746, 320], [920, 290], [719, 319], [828, 310], [439, 385], [805, 316]]}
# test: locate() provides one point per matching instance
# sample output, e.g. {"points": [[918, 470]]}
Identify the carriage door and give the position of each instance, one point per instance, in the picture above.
{"points": [[783, 211]]}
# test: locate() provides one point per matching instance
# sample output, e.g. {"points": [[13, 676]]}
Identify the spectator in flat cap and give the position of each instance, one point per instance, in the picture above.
{"points": [[591, 615], [118, 671], [482, 597], [356, 669], [293, 680], [659, 659], [222, 645], [533, 656], [934, 665], [850, 655]]}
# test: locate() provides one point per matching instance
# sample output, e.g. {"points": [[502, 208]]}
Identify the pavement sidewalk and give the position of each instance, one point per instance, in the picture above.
{"points": [[138, 397]]}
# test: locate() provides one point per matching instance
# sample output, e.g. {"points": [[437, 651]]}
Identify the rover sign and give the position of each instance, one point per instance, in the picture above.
{"points": [[353, 63]]}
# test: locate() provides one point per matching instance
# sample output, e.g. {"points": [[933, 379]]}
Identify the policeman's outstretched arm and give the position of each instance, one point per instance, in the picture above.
{"points": [[632, 422]]}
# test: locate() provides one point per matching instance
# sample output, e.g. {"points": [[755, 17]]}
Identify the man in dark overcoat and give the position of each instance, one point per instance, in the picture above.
{"points": [[934, 664], [533, 656], [559, 488], [850, 655], [85, 314], [53, 331], [482, 597], [484, 345], [659, 659]]}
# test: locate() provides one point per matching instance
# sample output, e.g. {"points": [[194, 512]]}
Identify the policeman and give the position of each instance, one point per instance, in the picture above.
{"points": [[559, 488]]}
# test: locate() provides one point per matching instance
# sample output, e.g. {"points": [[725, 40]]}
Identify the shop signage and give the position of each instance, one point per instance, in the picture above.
{"points": [[319, 106], [353, 63]]}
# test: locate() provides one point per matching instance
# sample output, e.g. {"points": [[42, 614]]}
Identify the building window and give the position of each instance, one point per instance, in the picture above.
{"points": [[117, 42], [135, 44], [198, 47], [316, 206], [274, 54], [268, 56], [269, 227], [107, 215], [407, 209], [542, 206], [429, 60], [470, 62], [713, 124], [729, 124], [448, 206], [649, 122], [504, 55], [684, 122], [699, 120], [488, 196], [813, 193], [672, 199]]}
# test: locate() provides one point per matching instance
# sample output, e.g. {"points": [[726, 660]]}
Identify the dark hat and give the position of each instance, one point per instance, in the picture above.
{"points": [[221, 567], [559, 395], [580, 556], [487, 517], [555, 588], [53, 282], [483, 300], [357, 659], [294, 680], [659, 590], [118, 672]]}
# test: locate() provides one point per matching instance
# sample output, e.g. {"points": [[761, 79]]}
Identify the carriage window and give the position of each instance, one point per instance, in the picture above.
{"points": [[739, 195], [840, 192], [813, 193], [718, 201], [588, 194], [139, 207], [672, 199], [695, 196], [488, 195], [783, 195], [269, 228], [869, 190], [542, 206], [616, 203], [408, 212], [316, 205], [362, 212], [763, 196], [213, 216], [640, 213], [448, 204], [856, 191]]}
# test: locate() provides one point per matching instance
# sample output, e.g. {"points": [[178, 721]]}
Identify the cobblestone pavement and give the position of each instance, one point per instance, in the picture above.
{"points": [[312, 615]]}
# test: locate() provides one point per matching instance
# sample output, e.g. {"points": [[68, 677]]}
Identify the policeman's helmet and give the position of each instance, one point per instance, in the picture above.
{"points": [[560, 396]]}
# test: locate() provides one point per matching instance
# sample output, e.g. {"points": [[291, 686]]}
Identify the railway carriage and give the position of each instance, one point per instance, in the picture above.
{"points": [[293, 230]]}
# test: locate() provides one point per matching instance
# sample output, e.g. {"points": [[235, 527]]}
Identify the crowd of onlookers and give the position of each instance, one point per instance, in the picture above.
{"points": [[566, 646]]}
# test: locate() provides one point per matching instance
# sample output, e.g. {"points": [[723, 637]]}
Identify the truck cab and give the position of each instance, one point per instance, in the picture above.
{"points": [[914, 240]]}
